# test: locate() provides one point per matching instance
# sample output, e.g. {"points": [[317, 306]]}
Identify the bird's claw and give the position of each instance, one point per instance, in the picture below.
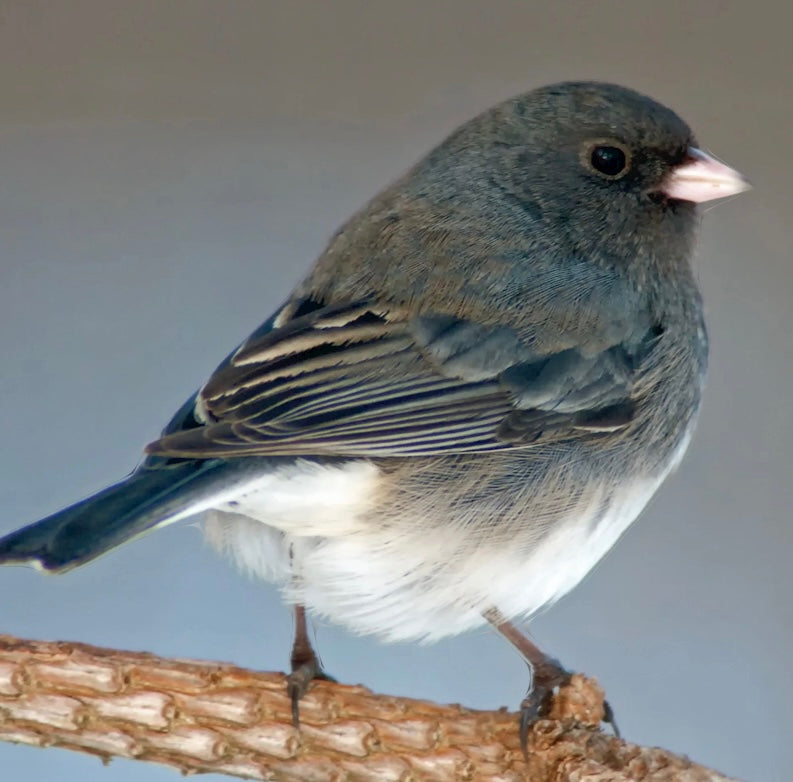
{"points": [[298, 681], [537, 702], [609, 719], [544, 682]]}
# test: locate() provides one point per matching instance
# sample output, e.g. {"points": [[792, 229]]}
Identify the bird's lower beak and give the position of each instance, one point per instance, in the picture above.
{"points": [[702, 178]]}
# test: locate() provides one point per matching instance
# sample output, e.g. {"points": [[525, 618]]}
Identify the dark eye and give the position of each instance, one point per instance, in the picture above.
{"points": [[609, 161]]}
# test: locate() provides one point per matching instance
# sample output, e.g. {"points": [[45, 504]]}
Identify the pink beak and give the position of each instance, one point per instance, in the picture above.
{"points": [[702, 178]]}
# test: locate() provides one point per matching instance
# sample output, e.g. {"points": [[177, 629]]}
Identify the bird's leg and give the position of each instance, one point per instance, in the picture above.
{"points": [[304, 663], [546, 675]]}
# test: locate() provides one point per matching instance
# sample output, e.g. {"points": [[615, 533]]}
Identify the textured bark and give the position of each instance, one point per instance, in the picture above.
{"points": [[198, 716]]}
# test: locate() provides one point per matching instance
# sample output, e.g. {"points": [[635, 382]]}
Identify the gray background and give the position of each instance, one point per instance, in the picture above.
{"points": [[169, 170]]}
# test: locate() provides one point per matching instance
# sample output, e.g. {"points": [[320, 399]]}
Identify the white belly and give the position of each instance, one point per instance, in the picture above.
{"points": [[310, 529]]}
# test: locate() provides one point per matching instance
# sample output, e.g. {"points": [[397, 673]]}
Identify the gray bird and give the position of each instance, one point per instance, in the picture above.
{"points": [[480, 384]]}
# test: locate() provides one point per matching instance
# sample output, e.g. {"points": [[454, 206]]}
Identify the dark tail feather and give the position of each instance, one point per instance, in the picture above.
{"points": [[148, 498]]}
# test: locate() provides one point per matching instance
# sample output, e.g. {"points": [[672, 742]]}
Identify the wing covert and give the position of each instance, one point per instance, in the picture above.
{"points": [[365, 379]]}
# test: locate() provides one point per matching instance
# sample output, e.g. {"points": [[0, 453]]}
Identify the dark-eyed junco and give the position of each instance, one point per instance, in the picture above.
{"points": [[486, 375]]}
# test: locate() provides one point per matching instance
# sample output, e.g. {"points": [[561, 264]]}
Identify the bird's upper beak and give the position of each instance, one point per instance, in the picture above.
{"points": [[702, 178]]}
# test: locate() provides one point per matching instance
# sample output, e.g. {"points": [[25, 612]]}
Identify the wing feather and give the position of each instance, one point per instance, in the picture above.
{"points": [[364, 380]]}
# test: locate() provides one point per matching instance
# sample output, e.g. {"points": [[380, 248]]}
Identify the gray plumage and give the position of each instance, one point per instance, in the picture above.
{"points": [[484, 378]]}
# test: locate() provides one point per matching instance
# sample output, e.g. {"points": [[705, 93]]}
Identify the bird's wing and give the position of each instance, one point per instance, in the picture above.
{"points": [[365, 379]]}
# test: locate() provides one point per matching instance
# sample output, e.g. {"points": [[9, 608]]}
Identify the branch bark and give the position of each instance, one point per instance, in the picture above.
{"points": [[200, 717]]}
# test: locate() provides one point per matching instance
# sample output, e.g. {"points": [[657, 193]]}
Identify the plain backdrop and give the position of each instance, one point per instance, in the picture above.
{"points": [[169, 170]]}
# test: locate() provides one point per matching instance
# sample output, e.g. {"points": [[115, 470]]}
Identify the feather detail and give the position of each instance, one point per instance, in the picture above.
{"points": [[365, 380]]}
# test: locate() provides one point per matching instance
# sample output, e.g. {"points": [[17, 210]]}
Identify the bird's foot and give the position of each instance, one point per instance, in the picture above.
{"points": [[305, 665], [578, 697], [556, 693], [304, 671], [546, 678]]}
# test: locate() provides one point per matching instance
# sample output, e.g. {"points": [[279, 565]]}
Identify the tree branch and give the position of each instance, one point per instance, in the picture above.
{"points": [[198, 716]]}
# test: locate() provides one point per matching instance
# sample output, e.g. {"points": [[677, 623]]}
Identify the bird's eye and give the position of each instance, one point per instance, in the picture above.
{"points": [[609, 160]]}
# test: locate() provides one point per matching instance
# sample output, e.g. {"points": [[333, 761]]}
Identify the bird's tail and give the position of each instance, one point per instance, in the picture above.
{"points": [[148, 498]]}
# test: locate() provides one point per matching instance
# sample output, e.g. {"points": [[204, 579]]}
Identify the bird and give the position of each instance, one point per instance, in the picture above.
{"points": [[477, 388]]}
